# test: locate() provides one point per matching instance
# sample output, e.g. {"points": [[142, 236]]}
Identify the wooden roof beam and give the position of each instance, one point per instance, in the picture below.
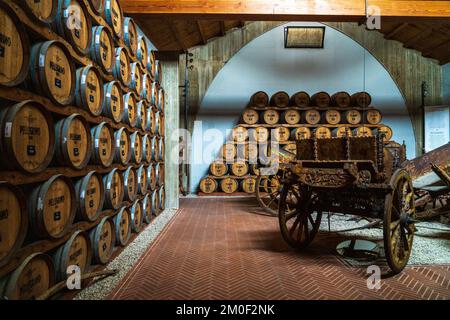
{"points": [[396, 30], [222, 28], [430, 51], [419, 36], [201, 32], [175, 35]]}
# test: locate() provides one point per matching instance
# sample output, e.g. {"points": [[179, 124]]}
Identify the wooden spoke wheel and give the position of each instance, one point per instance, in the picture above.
{"points": [[398, 224], [299, 226]]}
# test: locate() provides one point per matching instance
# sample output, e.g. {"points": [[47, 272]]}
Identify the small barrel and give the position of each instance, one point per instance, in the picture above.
{"points": [[352, 116], [14, 220], [229, 185], [320, 99], [341, 99], [372, 116], [130, 182], [73, 142], [147, 209], [155, 202], [90, 193], [239, 134], [121, 67], [254, 169], [159, 172], [290, 116], [291, 147], [103, 239], [251, 152], [162, 198], [300, 99], [248, 185], [142, 51], [141, 173], [239, 168], [137, 216], [155, 148], [28, 137], [130, 35], [259, 99], [281, 134], [53, 72], [341, 132], [151, 120], [385, 130], [98, 6], [15, 47], [34, 276], [362, 131], [42, 11], [113, 101], [114, 189], [157, 123], [152, 67], [228, 151], [104, 148], [250, 116], [146, 148], [322, 133], [136, 147], [146, 92], [114, 17], [161, 99], [141, 112], [331, 116], [52, 207], [301, 133], [122, 154], [76, 251], [260, 134], [89, 90], [102, 50], [161, 126], [208, 185], [158, 72], [154, 96], [122, 226], [271, 116], [162, 149], [151, 177], [361, 99], [311, 116], [136, 78], [280, 99], [129, 109]]}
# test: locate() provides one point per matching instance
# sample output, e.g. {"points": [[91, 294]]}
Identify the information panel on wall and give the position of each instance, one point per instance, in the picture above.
{"points": [[437, 126]]}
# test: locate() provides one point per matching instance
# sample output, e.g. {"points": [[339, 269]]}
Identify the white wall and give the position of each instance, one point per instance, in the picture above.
{"points": [[264, 64]]}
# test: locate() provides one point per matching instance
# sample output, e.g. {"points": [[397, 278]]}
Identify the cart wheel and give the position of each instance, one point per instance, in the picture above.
{"points": [[299, 226], [398, 224]]}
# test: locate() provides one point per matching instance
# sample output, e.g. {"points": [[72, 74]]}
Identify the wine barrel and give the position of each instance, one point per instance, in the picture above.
{"points": [[218, 168], [161, 126], [248, 185], [155, 147], [155, 203], [281, 134], [146, 92], [152, 67], [73, 146], [129, 109], [42, 11], [121, 67], [137, 216], [136, 78], [290, 116], [161, 99], [102, 50], [228, 151], [352, 116], [154, 96], [271, 116], [112, 101], [321, 99], [291, 147], [259, 134], [122, 154], [300, 99], [142, 51], [151, 123], [239, 134], [159, 172], [341, 99], [98, 6], [104, 148], [361, 99], [362, 131], [259, 99], [311, 116], [73, 23], [158, 72], [141, 112], [13, 220], [130, 35], [141, 173], [229, 185], [114, 17], [162, 198], [34, 276], [322, 133], [90, 193], [114, 189], [147, 208], [341, 132], [386, 131], [14, 48], [208, 185], [89, 90], [301, 133], [146, 148], [122, 226], [250, 116], [372, 116], [254, 169], [53, 72], [103, 239], [52, 207], [151, 177], [239, 168], [130, 184], [76, 251], [280, 99], [136, 147], [248, 152], [28, 139], [331, 116], [162, 149]]}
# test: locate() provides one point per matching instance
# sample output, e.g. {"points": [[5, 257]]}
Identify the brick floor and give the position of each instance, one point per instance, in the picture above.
{"points": [[227, 249]]}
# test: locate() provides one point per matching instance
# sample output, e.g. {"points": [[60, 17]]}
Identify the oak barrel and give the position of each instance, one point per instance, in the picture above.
{"points": [[259, 134], [129, 109], [301, 133], [208, 185], [162, 198], [239, 168], [122, 154], [89, 90], [141, 112], [361, 99], [155, 148], [43, 11], [155, 202], [161, 125], [158, 72], [157, 123], [300, 99], [161, 99], [98, 6], [113, 106], [341, 99], [130, 182], [147, 148], [321, 99], [239, 134], [281, 134], [27, 137], [136, 78], [137, 216], [352, 116], [136, 147], [151, 120], [146, 92], [154, 96], [159, 171], [152, 66], [142, 51], [386, 131], [280, 99], [90, 193], [218, 168], [104, 147], [250, 116], [259, 99], [271, 116], [228, 151], [121, 67], [362, 131], [147, 208], [290, 116], [331, 116], [122, 226], [311, 116], [102, 49], [151, 177], [291, 147], [372, 116], [141, 173], [248, 185], [103, 239], [322, 133], [341, 132], [130, 35], [254, 169], [114, 189], [114, 17], [229, 185]]}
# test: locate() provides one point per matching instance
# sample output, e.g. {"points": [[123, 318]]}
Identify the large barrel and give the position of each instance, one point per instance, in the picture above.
{"points": [[155, 202], [341, 99], [73, 146], [129, 109], [341, 132], [122, 155], [372, 116], [247, 151], [130, 35], [103, 239], [260, 134], [147, 148], [311, 116], [239, 168], [361, 99], [122, 226], [121, 68], [159, 170], [151, 177], [239, 134], [250, 116], [161, 99], [301, 133], [130, 182], [52, 206], [73, 23], [300, 99], [136, 147], [137, 216], [136, 78], [218, 168], [14, 48], [161, 126], [280, 99], [141, 112], [114, 189], [90, 193], [151, 123], [229, 185], [42, 11], [158, 72], [76, 251], [254, 169], [113, 101], [291, 147], [53, 72], [147, 209], [114, 17], [146, 92], [142, 51], [141, 173], [362, 131], [208, 185], [331, 116], [271, 116], [248, 185], [162, 198], [162, 149], [228, 151], [281, 134], [103, 151], [386, 131], [34, 276], [13, 220], [322, 133], [352, 116], [98, 6], [89, 90], [259, 99], [102, 49], [152, 66], [28, 139], [290, 116], [321, 99], [154, 97], [155, 148]]}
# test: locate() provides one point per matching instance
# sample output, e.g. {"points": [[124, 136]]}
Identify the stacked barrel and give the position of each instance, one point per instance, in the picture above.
{"points": [[269, 128], [82, 138]]}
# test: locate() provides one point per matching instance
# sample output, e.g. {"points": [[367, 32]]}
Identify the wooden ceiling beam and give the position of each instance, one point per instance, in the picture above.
{"points": [[419, 36], [222, 28], [410, 10], [429, 51], [396, 30], [176, 36], [201, 32]]}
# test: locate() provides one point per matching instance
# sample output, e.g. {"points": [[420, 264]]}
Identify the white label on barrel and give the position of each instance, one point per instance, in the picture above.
{"points": [[8, 127], [41, 60], [40, 204], [96, 143]]}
